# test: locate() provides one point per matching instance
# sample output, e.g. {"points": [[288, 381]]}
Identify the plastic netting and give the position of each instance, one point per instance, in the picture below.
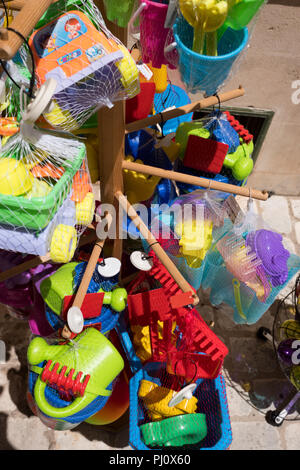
{"points": [[71, 381], [209, 39], [248, 267], [186, 229], [72, 45], [200, 422], [46, 198], [102, 305]]}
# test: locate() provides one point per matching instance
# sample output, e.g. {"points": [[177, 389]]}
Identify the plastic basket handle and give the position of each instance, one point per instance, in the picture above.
{"points": [[135, 17], [237, 297]]}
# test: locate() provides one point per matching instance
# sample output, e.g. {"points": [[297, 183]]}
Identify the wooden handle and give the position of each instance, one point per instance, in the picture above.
{"points": [[14, 4], [156, 247], [34, 262], [189, 108], [24, 22], [89, 271], [195, 180]]}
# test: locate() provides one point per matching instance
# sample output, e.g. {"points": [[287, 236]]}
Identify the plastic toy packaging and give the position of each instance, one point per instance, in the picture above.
{"points": [[46, 198], [103, 303], [153, 31], [70, 381], [91, 67], [187, 230], [248, 266], [210, 36], [217, 147], [169, 412]]}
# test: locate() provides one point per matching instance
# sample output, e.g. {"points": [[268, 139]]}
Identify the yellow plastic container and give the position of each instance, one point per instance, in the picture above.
{"points": [[85, 210], [15, 179], [160, 78], [156, 399]]}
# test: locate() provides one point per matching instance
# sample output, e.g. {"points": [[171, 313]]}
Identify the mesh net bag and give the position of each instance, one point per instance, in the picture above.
{"points": [[152, 32], [186, 229], [46, 198], [92, 68], [248, 267], [71, 381], [217, 147], [196, 420], [210, 39], [103, 303]]}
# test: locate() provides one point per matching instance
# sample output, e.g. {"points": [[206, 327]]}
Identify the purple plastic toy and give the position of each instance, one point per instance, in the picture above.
{"points": [[269, 248]]}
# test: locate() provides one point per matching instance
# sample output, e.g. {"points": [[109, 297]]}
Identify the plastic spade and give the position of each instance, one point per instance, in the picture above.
{"points": [[206, 16], [240, 14]]}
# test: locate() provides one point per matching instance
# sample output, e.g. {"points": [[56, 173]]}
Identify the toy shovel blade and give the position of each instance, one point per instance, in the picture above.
{"points": [[240, 15]]}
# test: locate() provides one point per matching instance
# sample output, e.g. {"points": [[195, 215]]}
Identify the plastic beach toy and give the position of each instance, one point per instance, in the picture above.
{"points": [[156, 400], [15, 179], [84, 368], [240, 13], [206, 16], [175, 432], [269, 249], [119, 11], [204, 73]]}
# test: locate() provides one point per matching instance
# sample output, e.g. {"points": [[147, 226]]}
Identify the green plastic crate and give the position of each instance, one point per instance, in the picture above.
{"points": [[37, 213]]}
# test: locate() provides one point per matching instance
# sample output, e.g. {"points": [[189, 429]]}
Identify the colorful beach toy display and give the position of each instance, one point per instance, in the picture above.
{"points": [[119, 224]]}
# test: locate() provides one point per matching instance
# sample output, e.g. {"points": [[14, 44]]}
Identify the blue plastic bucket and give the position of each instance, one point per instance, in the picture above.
{"points": [[207, 73]]}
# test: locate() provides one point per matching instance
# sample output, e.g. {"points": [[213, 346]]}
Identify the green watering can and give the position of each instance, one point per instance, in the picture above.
{"points": [[83, 367], [240, 13]]}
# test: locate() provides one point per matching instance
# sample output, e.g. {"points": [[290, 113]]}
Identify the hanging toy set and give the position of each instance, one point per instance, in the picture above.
{"points": [[105, 342]]}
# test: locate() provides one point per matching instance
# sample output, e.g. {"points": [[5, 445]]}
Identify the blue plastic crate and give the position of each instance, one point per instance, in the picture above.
{"points": [[212, 401]]}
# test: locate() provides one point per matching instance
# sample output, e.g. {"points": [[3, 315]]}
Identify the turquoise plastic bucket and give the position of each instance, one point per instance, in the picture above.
{"points": [[207, 73]]}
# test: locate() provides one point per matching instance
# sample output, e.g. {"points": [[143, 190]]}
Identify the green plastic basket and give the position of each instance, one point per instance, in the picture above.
{"points": [[36, 213]]}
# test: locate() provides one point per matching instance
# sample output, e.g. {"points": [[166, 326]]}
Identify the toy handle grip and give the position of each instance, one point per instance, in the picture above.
{"points": [[237, 296], [75, 407], [24, 22], [135, 17]]}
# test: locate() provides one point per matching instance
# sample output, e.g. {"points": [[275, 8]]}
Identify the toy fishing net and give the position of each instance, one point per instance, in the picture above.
{"points": [[69, 381], [46, 198], [91, 68], [248, 267], [210, 39]]}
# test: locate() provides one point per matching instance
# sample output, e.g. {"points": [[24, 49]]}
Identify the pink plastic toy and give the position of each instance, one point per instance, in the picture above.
{"points": [[153, 32]]}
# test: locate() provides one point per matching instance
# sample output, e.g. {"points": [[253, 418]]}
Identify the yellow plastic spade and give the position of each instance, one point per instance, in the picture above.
{"points": [[206, 16]]}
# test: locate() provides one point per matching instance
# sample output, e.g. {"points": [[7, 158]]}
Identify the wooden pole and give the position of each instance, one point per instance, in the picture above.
{"points": [[111, 131], [24, 22], [89, 271], [189, 108], [156, 247], [195, 180]]}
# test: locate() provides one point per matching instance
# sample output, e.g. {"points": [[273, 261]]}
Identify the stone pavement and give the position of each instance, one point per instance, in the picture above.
{"points": [[254, 380]]}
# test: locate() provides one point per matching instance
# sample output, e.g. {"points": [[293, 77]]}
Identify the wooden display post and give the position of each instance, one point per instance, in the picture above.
{"points": [[112, 130]]}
